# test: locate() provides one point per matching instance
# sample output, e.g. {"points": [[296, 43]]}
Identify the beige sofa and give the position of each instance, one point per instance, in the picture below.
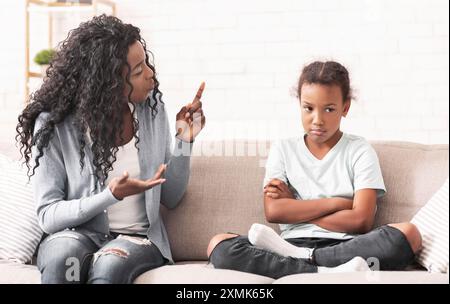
{"points": [[224, 194]]}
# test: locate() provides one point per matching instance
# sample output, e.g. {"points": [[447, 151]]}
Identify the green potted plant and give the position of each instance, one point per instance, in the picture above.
{"points": [[43, 58]]}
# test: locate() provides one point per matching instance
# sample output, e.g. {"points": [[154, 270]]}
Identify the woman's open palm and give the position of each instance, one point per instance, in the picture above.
{"points": [[124, 186]]}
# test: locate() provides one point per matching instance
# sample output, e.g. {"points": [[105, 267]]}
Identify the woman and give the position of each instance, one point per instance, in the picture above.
{"points": [[98, 134]]}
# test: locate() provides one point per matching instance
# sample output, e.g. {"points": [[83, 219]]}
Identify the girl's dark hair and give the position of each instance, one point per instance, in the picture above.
{"points": [[85, 80], [326, 73]]}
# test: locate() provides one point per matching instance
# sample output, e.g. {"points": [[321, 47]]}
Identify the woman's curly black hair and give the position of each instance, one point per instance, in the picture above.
{"points": [[85, 80]]}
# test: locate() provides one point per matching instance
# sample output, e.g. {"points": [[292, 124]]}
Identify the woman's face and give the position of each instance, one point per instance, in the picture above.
{"points": [[141, 76], [322, 108]]}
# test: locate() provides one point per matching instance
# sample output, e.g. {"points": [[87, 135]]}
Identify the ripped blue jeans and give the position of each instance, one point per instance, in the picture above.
{"points": [[70, 257]]}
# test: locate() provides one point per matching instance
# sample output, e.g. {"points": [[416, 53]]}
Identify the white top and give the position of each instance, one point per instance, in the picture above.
{"points": [[349, 166], [128, 215]]}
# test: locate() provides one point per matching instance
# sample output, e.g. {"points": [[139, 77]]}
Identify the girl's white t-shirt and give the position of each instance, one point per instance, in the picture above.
{"points": [[349, 166]]}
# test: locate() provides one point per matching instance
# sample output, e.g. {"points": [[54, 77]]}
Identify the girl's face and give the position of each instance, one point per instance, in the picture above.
{"points": [[141, 76], [322, 108]]}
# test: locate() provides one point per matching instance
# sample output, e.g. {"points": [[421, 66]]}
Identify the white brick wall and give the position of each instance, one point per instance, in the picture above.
{"points": [[250, 54]]}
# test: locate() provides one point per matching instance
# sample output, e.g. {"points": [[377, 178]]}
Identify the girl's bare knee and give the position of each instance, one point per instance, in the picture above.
{"points": [[217, 239], [411, 233]]}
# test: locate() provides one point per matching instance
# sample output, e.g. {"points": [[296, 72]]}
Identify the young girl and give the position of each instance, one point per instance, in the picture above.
{"points": [[99, 137], [322, 189]]}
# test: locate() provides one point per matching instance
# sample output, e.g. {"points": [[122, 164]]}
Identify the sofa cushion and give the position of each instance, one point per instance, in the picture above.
{"points": [[198, 274], [17, 273], [366, 277], [432, 222], [412, 174], [19, 229]]}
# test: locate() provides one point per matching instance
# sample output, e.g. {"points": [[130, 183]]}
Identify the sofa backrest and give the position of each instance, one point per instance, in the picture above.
{"points": [[225, 192], [412, 174], [224, 195]]}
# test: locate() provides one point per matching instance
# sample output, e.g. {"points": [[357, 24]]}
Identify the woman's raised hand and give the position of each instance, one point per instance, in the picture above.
{"points": [[124, 186], [190, 120]]}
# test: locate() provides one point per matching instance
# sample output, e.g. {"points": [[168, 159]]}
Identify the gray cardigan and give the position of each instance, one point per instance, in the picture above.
{"points": [[70, 198]]}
